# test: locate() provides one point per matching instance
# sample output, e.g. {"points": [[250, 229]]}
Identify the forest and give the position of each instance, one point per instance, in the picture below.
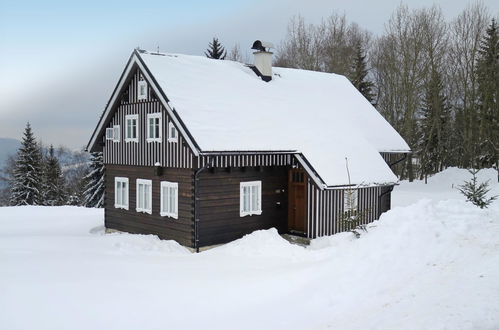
{"points": [[435, 80]]}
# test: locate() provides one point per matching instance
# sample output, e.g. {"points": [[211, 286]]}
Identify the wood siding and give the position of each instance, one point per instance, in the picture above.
{"points": [[248, 159], [218, 203], [324, 207], [181, 229], [143, 153]]}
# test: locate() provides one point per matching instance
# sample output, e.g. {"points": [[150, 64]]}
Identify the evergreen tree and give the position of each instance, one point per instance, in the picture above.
{"points": [[94, 189], [27, 173], [53, 181], [433, 127], [216, 50], [488, 98], [359, 73], [475, 192]]}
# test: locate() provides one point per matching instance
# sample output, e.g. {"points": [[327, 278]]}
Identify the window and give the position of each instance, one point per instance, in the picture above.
{"points": [[154, 127], [144, 196], [169, 199], [113, 133], [172, 133], [142, 90], [121, 193], [132, 129], [250, 198], [350, 200]]}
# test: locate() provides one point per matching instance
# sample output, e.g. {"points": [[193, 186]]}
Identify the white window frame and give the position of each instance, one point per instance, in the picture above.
{"points": [[251, 185], [140, 96], [145, 195], [136, 138], [171, 129], [150, 116], [350, 203], [123, 193], [166, 210], [115, 133]]}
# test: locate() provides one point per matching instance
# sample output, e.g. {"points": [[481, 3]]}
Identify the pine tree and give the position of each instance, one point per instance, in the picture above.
{"points": [[359, 73], [488, 98], [433, 127], [475, 192], [216, 50], [94, 189], [53, 191], [27, 173]]}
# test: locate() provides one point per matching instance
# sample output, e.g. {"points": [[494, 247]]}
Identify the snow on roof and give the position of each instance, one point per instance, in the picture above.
{"points": [[227, 107]]}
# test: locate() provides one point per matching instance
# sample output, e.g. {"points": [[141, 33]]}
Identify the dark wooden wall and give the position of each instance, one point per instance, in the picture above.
{"points": [[143, 153], [218, 203], [181, 229]]}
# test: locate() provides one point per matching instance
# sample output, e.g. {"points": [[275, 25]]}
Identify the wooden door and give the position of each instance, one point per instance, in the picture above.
{"points": [[297, 201]]}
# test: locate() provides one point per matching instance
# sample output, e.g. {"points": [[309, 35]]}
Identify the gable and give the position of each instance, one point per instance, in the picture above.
{"points": [[126, 89], [144, 151]]}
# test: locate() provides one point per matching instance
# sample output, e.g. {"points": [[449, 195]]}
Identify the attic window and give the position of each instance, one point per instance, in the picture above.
{"points": [[113, 133], [154, 127], [172, 133], [142, 90], [131, 128]]}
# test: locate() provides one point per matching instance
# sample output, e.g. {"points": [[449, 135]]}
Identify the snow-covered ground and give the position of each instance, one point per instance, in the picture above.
{"points": [[432, 262]]}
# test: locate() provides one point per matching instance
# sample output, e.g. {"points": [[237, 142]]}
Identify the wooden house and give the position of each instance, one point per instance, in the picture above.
{"points": [[204, 151]]}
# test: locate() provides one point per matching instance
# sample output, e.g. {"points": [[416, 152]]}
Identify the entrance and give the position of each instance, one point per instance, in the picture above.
{"points": [[297, 202]]}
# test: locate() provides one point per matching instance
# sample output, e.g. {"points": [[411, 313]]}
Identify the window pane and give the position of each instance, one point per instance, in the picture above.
{"points": [[175, 200], [134, 128], [246, 205], [254, 198], [128, 128], [141, 196], [125, 193], [118, 193], [147, 202]]}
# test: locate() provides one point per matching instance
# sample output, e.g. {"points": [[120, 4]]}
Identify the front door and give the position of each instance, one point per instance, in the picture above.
{"points": [[297, 201]]}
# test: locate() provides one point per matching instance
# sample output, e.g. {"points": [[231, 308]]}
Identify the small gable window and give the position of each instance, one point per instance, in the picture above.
{"points": [[121, 193], [142, 90], [132, 129], [350, 200], [172, 133], [113, 133], [250, 198], [169, 199], [144, 196], [154, 127]]}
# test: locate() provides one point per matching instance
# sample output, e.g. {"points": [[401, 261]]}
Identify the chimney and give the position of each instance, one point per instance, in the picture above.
{"points": [[263, 59]]}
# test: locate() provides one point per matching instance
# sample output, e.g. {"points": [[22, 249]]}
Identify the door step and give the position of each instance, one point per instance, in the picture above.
{"points": [[298, 240]]}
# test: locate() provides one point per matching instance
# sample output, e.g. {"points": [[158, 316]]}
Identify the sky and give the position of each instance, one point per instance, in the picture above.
{"points": [[60, 60]]}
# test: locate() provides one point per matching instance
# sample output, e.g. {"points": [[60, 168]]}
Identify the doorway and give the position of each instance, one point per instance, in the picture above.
{"points": [[297, 201]]}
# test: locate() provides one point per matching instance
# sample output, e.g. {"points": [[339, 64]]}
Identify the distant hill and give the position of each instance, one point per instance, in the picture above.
{"points": [[8, 147]]}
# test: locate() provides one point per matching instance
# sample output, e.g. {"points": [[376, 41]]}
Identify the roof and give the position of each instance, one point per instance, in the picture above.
{"points": [[225, 106]]}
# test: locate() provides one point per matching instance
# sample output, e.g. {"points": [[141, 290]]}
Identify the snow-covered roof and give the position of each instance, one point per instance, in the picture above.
{"points": [[227, 107]]}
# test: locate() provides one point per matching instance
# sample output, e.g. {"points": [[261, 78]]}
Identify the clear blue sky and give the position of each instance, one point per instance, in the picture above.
{"points": [[60, 60]]}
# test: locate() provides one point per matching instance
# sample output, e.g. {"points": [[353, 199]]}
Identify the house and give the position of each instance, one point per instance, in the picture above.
{"points": [[204, 151]]}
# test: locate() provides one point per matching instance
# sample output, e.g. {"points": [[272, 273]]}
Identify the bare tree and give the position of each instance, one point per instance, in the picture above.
{"points": [[235, 54], [466, 32]]}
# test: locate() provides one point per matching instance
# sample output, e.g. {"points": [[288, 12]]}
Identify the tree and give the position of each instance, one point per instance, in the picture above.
{"points": [[27, 173], [433, 126], [466, 32], [94, 188], [235, 54], [216, 50], [359, 75], [53, 191], [475, 192], [488, 98]]}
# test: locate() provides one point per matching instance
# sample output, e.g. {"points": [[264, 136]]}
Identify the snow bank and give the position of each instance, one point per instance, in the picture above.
{"points": [[260, 243], [441, 186], [433, 264]]}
